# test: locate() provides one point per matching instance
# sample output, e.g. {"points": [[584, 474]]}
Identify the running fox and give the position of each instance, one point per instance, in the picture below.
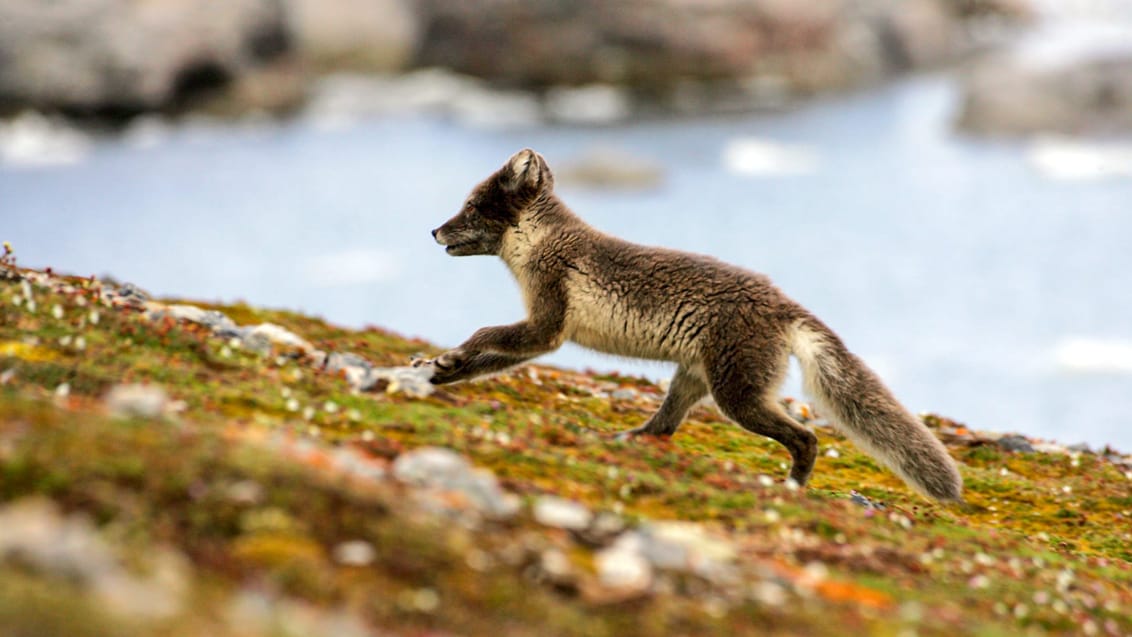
{"points": [[730, 331]]}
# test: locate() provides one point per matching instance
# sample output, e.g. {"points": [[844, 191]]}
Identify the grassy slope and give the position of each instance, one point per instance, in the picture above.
{"points": [[1044, 546]]}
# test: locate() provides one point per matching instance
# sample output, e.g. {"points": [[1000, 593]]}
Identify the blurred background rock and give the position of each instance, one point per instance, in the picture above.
{"points": [[119, 58]]}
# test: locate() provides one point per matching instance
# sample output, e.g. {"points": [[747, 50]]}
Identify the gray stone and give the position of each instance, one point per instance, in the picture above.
{"points": [[211, 319], [34, 535], [624, 394], [1015, 442], [857, 498], [338, 361], [100, 55], [411, 381], [444, 469], [667, 46], [562, 513], [555, 566], [277, 335], [355, 553], [1059, 80], [623, 571], [362, 35], [135, 400], [682, 546]]}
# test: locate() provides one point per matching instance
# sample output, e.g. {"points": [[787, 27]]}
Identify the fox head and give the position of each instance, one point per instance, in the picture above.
{"points": [[496, 205]]}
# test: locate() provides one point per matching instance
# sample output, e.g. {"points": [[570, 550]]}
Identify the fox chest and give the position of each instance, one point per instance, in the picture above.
{"points": [[606, 322]]}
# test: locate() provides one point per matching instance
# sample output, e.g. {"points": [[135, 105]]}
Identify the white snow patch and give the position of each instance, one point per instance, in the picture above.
{"points": [[766, 158], [1074, 160], [33, 140]]}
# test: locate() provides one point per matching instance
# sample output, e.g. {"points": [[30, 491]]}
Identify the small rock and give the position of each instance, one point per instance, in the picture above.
{"points": [[857, 498], [683, 546], [444, 469], [769, 593], [557, 569], [411, 381], [1015, 442], [143, 401], [128, 294], [561, 513], [623, 571], [1080, 447], [35, 535], [280, 336], [355, 553], [624, 394], [246, 492], [603, 529], [430, 466], [338, 361]]}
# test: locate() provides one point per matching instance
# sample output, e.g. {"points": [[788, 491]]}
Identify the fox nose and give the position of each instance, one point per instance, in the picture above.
{"points": [[434, 233]]}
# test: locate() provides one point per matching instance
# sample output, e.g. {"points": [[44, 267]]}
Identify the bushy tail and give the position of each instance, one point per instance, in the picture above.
{"points": [[860, 406]]}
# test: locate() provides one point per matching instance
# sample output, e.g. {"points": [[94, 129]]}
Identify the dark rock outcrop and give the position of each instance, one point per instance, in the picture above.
{"points": [[1069, 83], [114, 56]]}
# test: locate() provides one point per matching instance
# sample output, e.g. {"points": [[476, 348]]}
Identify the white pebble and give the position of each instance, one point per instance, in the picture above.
{"points": [[292, 404], [426, 600], [561, 513], [355, 553], [94, 317], [57, 311]]}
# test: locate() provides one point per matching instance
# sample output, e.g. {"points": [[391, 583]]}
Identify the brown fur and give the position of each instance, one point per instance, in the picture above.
{"points": [[729, 330]]}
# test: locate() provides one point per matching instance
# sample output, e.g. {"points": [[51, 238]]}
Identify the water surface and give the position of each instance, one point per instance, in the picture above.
{"points": [[965, 277]]}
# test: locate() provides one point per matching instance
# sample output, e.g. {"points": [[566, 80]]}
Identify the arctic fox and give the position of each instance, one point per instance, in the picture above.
{"points": [[730, 331]]}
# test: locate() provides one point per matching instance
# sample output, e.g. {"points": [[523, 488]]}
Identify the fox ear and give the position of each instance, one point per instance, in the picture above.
{"points": [[526, 168]]}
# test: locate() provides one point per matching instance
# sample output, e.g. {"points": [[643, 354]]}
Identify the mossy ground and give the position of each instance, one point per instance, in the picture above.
{"points": [[1043, 546]]}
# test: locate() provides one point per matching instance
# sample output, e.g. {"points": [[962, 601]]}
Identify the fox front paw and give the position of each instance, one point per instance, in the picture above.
{"points": [[448, 366]]}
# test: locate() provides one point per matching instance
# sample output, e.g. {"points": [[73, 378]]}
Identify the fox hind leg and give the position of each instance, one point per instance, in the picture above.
{"points": [[746, 390], [688, 386]]}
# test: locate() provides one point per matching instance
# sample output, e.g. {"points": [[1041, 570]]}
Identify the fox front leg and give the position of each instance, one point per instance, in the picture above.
{"points": [[455, 365]]}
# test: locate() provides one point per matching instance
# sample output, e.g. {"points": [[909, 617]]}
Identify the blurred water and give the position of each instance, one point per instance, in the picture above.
{"points": [[977, 287]]}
